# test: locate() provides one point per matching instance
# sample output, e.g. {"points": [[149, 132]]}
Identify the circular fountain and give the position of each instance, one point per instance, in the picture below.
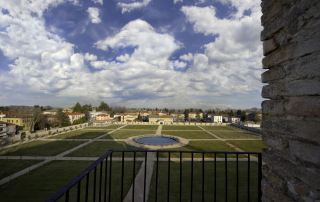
{"points": [[153, 141]]}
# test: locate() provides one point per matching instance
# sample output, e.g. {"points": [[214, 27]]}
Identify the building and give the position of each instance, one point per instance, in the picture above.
{"points": [[164, 119], [129, 117], [235, 120], [8, 129], [52, 112], [195, 115], [217, 119], [73, 116], [226, 119], [178, 117], [24, 122], [103, 117]]}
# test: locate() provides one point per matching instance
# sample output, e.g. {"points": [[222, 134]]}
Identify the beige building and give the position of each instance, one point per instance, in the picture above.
{"points": [[195, 115], [164, 119], [217, 119], [103, 117], [24, 122], [129, 117], [73, 116], [235, 120]]}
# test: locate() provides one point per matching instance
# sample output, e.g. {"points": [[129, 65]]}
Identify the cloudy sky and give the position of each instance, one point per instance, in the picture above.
{"points": [[145, 53]]}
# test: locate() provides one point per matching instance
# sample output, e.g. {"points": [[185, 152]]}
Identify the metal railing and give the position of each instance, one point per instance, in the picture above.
{"points": [[162, 175]]}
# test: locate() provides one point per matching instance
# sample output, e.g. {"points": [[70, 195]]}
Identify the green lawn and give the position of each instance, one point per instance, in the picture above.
{"points": [[39, 148], [182, 127], [80, 134], [146, 127], [123, 134], [235, 134], [189, 134], [224, 128], [116, 173], [10, 166], [249, 145], [202, 146], [38, 185], [209, 179], [109, 127], [99, 148]]}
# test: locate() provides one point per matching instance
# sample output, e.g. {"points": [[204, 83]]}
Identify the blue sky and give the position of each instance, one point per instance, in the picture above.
{"points": [[146, 53]]}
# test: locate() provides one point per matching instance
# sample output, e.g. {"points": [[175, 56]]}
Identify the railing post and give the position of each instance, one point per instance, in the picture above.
{"points": [[259, 176]]}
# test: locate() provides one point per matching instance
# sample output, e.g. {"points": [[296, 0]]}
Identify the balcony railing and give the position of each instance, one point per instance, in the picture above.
{"points": [[145, 175]]}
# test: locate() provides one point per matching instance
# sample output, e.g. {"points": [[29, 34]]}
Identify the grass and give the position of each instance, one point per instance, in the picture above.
{"points": [[225, 128], [116, 172], [39, 184], [235, 135], [145, 127], [11, 166], [209, 180], [249, 145], [202, 146], [123, 134], [98, 148], [80, 134], [182, 127], [189, 134], [109, 127], [39, 148]]}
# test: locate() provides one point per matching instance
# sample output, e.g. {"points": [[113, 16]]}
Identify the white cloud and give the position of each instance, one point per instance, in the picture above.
{"points": [[186, 57], [152, 47], [46, 64], [232, 60], [178, 64], [135, 5], [90, 57], [98, 1], [123, 58], [177, 1], [94, 15]]}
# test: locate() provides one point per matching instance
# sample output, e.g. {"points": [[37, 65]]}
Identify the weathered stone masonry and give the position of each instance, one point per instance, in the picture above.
{"points": [[291, 115]]}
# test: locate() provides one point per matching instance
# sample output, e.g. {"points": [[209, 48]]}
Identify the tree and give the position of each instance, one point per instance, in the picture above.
{"points": [[36, 118], [186, 114], [79, 121], [254, 116], [103, 107], [243, 116], [62, 119], [77, 108]]}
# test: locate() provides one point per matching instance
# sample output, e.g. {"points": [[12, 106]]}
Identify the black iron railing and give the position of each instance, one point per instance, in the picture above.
{"points": [[145, 175]]}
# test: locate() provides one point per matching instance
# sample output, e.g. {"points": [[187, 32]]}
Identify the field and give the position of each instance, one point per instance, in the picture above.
{"points": [[71, 152]]}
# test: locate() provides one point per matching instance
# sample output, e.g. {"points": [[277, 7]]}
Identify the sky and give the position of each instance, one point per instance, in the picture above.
{"points": [[145, 53]]}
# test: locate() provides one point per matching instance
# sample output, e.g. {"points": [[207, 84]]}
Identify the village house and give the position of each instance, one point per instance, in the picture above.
{"points": [[52, 112], [129, 117], [163, 120], [103, 117], [7, 129], [24, 122], [73, 116], [195, 115], [235, 120], [217, 119]]}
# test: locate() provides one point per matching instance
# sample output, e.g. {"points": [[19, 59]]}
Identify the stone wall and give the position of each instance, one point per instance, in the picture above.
{"points": [[24, 137], [291, 115]]}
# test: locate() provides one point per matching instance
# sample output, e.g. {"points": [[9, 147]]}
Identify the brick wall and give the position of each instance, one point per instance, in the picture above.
{"points": [[291, 113]]}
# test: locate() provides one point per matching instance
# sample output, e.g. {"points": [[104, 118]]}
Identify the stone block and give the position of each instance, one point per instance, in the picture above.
{"points": [[273, 107], [273, 74], [303, 106], [269, 46], [305, 152]]}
